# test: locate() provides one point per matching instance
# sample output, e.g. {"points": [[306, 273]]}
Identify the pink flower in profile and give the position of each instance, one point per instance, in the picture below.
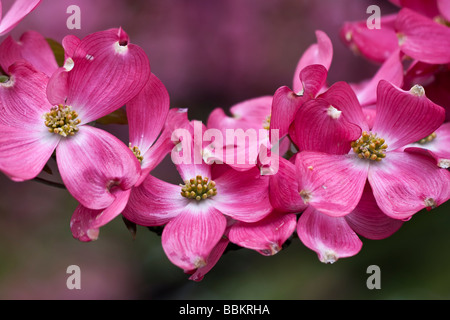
{"points": [[436, 145], [107, 72], [252, 114], [246, 136], [309, 80], [194, 214], [150, 124], [374, 44], [314, 114], [18, 11], [402, 182]]}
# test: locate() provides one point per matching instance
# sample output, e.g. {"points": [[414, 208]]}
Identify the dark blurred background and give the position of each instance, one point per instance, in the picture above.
{"points": [[208, 54]]}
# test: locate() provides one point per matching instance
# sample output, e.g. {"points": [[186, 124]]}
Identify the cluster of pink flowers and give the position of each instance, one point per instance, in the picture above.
{"points": [[333, 162]]}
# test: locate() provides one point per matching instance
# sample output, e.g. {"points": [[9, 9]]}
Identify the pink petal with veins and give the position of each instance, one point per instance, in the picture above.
{"points": [[414, 32], [243, 195], [154, 202], [369, 221], [24, 153], [85, 223], [189, 238], [212, 260], [147, 113], [319, 53], [330, 237], [102, 56], [404, 117], [70, 44], [286, 102], [320, 126], [283, 189], [332, 184], [405, 183], [20, 106], [93, 162], [266, 236], [176, 119]]}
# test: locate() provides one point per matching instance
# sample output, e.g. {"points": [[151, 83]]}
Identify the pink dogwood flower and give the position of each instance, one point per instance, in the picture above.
{"points": [[107, 72], [18, 11], [402, 182], [194, 213]]}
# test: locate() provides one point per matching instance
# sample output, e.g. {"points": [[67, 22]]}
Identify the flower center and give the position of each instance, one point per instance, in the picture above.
{"points": [[369, 146], [62, 120], [136, 152], [198, 188], [266, 123], [430, 138]]}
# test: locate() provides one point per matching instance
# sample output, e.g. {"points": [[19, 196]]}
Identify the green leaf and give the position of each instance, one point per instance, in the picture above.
{"points": [[117, 117], [58, 51]]}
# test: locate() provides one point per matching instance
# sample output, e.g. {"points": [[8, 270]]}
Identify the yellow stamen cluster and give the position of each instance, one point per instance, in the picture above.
{"points": [[266, 123], [430, 138], [62, 120], [199, 188], [136, 152], [369, 146]]}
